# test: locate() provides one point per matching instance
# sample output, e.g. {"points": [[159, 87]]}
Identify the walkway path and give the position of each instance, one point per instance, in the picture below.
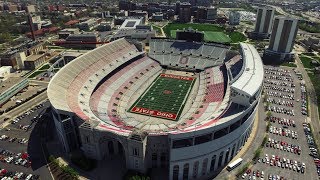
{"points": [[313, 116], [254, 141]]}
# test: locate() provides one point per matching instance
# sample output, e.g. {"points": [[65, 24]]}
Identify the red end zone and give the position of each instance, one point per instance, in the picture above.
{"points": [[177, 77], [154, 113]]}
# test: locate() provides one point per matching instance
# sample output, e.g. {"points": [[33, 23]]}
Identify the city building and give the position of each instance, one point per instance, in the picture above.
{"points": [[138, 13], [30, 8], [311, 43], [282, 40], [185, 12], [5, 71], [201, 14], [105, 26], [140, 32], [263, 26], [64, 33], [12, 7], [126, 5], [88, 25], [205, 14], [131, 23], [94, 105], [234, 18], [157, 17], [34, 61], [16, 56], [212, 13], [80, 41]]}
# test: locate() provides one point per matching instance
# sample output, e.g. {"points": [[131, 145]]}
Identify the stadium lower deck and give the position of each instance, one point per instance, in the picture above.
{"points": [[165, 98]]}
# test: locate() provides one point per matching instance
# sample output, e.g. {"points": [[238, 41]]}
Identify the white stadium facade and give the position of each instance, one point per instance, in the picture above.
{"points": [[92, 96]]}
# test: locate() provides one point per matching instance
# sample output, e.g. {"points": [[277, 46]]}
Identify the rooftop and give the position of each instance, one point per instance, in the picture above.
{"points": [[8, 83], [253, 71], [34, 57]]}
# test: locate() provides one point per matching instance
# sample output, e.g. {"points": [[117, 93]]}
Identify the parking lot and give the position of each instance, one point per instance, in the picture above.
{"points": [[20, 154], [287, 152], [21, 97]]}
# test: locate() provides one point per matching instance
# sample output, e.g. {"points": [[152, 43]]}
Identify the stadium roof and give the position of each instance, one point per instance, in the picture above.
{"points": [[252, 77]]}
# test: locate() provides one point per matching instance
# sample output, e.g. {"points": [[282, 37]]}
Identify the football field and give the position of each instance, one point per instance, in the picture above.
{"points": [[165, 97]]}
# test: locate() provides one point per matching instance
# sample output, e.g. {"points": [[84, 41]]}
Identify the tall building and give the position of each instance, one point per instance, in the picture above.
{"points": [[212, 13], [185, 12], [201, 14], [282, 39], [263, 22], [234, 18]]}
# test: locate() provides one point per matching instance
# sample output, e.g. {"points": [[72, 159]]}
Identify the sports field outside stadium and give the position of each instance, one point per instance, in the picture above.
{"points": [[209, 36], [213, 33], [165, 97]]}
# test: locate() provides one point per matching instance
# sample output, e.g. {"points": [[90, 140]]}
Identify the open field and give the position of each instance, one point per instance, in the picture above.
{"points": [[306, 61], [212, 33]]}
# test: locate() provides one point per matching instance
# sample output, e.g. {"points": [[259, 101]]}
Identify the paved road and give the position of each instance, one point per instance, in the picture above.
{"points": [[24, 107], [313, 118], [256, 142]]}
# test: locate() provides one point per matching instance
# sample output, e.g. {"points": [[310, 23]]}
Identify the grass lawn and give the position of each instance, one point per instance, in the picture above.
{"points": [[211, 36], [289, 64], [315, 81], [308, 54], [212, 33], [157, 29], [165, 98], [36, 73], [200, 27], [45, 67], [237, 37], [306, 61]]}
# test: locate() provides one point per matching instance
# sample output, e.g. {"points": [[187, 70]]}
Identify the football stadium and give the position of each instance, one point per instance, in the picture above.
{"points": [[184, 107]]}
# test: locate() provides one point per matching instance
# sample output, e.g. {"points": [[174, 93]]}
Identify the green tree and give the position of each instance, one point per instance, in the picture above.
{"points": [[5, 37]]}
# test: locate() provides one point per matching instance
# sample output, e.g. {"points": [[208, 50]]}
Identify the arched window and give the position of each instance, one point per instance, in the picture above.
{"points": [[195, 169], [213, 162], [204, 166], [175, 173], [186, 171]]}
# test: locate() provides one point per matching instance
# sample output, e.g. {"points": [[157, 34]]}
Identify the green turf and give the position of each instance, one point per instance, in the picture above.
{"points": [[36, 73], [213, 33], [306, 61], [211, 36], [155, 98]]}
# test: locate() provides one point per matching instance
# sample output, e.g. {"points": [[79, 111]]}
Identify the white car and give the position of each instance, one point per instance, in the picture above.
{"points": [[244, 175], [29, 177]]}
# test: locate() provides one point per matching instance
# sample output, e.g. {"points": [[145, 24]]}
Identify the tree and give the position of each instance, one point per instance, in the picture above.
{"points": [[5, 37], [269, 114]]}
